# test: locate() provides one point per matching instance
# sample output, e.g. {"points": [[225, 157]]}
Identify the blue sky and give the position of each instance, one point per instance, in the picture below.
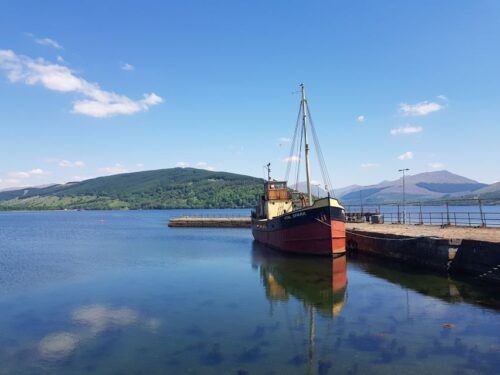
{"points": [[100, 87]]}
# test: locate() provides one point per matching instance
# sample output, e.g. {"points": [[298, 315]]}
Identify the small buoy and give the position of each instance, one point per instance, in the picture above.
{"points": [[448, 325]]}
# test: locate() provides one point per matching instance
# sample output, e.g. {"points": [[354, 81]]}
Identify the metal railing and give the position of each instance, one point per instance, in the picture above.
{"points": [[471, 213]]}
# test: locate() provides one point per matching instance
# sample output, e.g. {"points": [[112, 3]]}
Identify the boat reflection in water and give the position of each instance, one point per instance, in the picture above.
{"points": [[319, 282]]}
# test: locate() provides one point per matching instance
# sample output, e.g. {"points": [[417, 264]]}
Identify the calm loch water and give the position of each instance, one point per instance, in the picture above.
{"points": [[119, 292]]}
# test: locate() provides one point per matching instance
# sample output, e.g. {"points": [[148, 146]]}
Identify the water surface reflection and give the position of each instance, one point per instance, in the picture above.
{"points": [[317, 281], [119, 292]]}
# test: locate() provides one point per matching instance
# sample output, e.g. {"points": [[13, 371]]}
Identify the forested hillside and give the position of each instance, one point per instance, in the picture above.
{"points": [[164, 188]]}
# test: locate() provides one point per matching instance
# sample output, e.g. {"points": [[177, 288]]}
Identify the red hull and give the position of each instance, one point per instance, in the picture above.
{"points": [[314, 238]]}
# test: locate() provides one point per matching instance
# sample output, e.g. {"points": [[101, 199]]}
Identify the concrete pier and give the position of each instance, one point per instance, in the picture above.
{"points": [[466, 251], [210, 222]]}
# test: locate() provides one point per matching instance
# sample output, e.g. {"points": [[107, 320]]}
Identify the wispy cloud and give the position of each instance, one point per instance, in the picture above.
{"points": [[28, 174], [283, 141], [66, 163], [182, 164], [128, 67], [291, 159], [408, 129], [442, 97], [419, 109], [48, 42], [436, 165], [56, 77], [204, 165], [406, 156], [370, 165], [360, 118], [113, 169]]}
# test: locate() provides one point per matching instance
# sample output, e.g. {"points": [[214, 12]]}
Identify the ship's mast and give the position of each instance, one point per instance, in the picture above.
{"points": [[304, 124]]}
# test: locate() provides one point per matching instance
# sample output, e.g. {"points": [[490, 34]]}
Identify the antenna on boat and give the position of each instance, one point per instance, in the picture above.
{"points": [[304, 124], [268, 166]]}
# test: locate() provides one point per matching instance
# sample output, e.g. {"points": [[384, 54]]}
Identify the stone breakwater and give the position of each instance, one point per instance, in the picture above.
{"points": [[474, 252]]}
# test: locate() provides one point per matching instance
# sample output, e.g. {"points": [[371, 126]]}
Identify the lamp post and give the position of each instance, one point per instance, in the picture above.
{"points": [[404, 193]]}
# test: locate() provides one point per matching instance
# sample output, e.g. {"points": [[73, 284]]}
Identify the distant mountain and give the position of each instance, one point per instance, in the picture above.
{"points": [[490, 191], [422, 186], [164, 188], [316, 190]]}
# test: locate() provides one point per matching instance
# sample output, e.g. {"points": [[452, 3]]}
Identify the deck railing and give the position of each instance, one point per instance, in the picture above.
{"points": [[471, 213]]}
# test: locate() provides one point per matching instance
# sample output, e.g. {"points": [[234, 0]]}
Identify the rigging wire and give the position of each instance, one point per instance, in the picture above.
{"points": [[319, 154], [293, 146]]}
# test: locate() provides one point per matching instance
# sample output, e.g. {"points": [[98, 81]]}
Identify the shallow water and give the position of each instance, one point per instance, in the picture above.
{"points": [[119, 292]]}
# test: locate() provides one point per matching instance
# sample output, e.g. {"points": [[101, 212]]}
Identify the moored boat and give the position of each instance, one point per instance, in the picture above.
{"points": [[289, 221]]}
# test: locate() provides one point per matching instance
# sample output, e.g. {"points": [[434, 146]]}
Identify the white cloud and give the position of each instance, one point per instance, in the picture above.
{"points": [[68, 164], [27, 174], [48, 42], [128, 67], [182, 164], [19, 174], [56, 77], [360, 118], [89, 321], [419, 109], [201, 165], [442, 97], [406, 156], [100, 318], [37, 171], [291, 159], [60, 59], [408, 129], [283, 141], [114, 169], [204, 165], [9, 182], [57, 345], [139, 165], [436, 165], [369, 165]]}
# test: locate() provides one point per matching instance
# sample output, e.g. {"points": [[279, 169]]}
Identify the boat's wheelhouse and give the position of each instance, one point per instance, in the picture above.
{"points": [[276, 200]]}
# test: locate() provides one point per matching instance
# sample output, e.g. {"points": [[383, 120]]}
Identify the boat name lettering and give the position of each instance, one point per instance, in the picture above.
{"points": [[298, 214]]}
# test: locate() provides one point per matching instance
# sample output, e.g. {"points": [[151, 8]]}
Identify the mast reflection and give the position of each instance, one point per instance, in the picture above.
{"points": [[318, 282]]}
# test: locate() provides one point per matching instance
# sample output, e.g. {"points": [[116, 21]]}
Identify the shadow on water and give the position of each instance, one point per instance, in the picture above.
{"points": [[428, 282]]}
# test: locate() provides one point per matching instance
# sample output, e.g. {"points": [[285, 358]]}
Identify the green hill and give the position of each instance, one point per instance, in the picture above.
{"points": [[163, 188]]}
